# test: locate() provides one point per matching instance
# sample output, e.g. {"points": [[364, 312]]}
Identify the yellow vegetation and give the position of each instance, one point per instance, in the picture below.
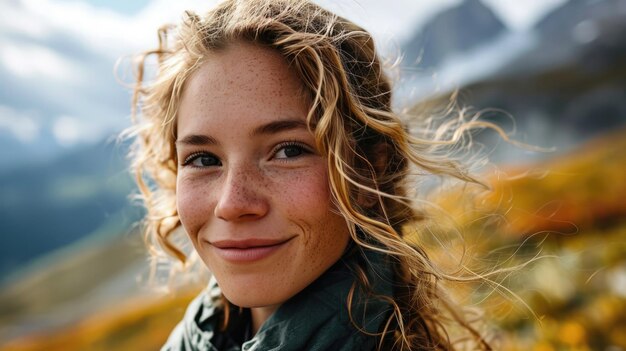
{"points": [[571, 208]]}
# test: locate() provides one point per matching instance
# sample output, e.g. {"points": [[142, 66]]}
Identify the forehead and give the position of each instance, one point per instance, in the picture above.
{"points": [[241, 82]]}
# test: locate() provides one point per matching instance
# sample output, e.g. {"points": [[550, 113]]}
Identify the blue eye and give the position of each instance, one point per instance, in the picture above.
{"points": [[202, 160], [290, 150]]}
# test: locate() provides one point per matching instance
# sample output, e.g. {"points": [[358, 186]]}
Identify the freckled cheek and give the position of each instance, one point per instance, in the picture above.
{"points": [[330, 233], [305, 196], [193, 204], [310, 204]]}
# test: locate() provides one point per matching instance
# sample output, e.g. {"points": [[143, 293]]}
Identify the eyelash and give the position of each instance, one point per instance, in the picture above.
{"points": [[304, 149], [194, 156]]}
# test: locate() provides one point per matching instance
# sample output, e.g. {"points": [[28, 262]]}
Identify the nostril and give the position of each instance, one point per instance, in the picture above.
{"points": [[238, 203]]}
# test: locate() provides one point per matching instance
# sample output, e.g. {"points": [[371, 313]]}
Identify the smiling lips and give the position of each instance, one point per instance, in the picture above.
{"points": [[242, 251]]}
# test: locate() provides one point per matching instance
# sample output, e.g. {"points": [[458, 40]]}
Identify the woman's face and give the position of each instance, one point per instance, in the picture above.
{"points": [[252, 190]]}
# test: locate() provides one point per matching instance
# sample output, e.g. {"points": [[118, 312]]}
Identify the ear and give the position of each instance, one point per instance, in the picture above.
{"points": [[377, 157]]}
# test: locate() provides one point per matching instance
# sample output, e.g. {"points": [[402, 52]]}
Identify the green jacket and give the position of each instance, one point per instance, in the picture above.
{"points": [[315, 319]]}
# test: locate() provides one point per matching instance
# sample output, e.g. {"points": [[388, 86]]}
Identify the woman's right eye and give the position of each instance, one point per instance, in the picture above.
{"points": [[202, 159]]}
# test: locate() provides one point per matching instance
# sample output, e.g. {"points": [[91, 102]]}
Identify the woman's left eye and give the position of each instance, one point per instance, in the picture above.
{"points": [[291, 150]]}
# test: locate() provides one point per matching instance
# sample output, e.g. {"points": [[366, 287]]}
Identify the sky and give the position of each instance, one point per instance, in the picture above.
{"points": [[57, 57]]}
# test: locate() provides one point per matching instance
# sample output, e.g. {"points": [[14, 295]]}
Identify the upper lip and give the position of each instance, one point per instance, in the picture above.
{"points": [[247, 243]]}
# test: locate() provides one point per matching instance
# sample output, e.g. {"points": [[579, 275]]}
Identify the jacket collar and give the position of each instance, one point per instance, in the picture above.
{"points": [[317, 318]]}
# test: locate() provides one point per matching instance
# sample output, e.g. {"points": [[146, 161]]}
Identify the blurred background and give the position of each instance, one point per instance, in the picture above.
{"points": [[72, 262]]}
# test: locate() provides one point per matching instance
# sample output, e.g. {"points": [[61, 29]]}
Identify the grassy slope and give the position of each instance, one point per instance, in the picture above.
{"points": [[574, 207], [571, 211]]}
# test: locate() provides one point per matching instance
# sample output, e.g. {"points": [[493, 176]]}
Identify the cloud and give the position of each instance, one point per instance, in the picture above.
{"points": [[58, 56], [102, 30], [386, 20], [36, 61], [15, 19], [69, 131], [522, 14], [66, 130], [21, 124], [114, 34]]}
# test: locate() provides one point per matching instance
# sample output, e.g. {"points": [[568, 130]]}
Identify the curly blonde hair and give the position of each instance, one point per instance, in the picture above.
{"points": [[371, 155]]}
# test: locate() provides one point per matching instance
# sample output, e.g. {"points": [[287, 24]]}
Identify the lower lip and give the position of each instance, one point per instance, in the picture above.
{"points": [[250, 254]]}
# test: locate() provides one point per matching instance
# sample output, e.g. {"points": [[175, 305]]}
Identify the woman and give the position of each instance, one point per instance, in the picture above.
{"points": [[269, 137]]}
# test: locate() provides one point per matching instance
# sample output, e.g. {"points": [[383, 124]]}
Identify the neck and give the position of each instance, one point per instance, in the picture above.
{"points": [[260, 315]]}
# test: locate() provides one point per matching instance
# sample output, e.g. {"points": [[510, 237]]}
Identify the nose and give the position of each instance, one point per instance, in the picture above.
{"points": [[241, 197]]}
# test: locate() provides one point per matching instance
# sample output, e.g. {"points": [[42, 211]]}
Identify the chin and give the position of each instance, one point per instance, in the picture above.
{"points": [[249, 294], [245, 300]]}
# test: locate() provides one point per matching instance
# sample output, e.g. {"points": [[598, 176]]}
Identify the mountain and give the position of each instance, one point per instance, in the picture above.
{"points": [[49, 204], [452, 32], [565, 87], [575, 18], [15, 153], [87, 275], [577, 281], [582, 33]]}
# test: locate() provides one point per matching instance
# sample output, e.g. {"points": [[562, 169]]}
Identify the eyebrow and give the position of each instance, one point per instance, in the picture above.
{"points": [[197, 140], [273, 127], [279, 126]]}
